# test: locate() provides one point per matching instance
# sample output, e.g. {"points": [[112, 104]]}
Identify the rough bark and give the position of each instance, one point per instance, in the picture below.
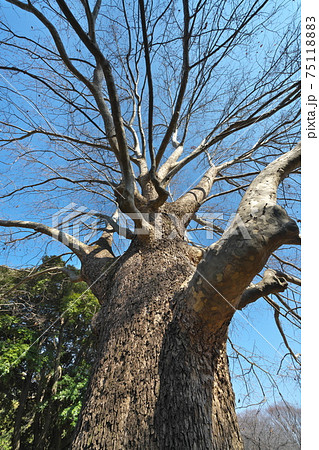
{"points": [[225, 428], [160, 381]]}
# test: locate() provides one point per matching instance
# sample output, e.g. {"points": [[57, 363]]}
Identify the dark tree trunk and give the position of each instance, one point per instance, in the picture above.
{"points": [[36, 425], [161, 379], [19, 415]]}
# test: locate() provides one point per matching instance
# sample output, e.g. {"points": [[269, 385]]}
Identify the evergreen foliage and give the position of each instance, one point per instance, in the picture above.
{"points": [[45, 356]]}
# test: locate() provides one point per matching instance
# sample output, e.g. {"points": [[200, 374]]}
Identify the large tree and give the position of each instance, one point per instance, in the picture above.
{"points": [[156, 111]]}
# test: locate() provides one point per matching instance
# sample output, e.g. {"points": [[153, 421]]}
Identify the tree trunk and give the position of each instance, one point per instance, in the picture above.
{"points": [[36, 425], [160, 379], [19, 414]]}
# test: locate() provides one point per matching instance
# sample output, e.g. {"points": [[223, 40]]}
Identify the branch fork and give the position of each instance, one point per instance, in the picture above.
{"points": [[272, 282]]}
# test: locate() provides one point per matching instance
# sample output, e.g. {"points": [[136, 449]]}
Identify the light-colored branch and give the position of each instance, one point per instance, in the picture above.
{"points": [[207, 224], [106, 240], [124, 159], [113, 226], [78, 247], [289, 278], [230, 264], [107, 119], [264, 187], [191, 200], [126, 196], [271, 283]]}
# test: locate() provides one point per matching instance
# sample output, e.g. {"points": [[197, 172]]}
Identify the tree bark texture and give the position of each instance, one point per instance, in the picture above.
{"points": [[161, 379]]}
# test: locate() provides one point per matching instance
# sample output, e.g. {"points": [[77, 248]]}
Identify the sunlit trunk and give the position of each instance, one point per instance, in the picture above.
{"points": [[159, 380]]}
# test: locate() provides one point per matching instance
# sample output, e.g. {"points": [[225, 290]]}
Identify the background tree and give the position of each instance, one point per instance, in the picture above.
{"points": [[277, 427], [162, 112], [45, 355]]}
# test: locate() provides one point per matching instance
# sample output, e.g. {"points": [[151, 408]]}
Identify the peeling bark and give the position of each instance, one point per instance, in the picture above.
{"points": [[259, 228]]}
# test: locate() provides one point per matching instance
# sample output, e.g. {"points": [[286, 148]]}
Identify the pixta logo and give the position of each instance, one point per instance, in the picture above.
{"points": [[78, 221]]}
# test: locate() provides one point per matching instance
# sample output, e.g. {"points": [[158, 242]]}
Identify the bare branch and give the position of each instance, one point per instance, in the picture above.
{"points": [[291, 93], [183, 84], [238, 188], [150, 85], [124, 159], [114, 226], [78, 247], [272, 282], [191, 200], [280, 329]]}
